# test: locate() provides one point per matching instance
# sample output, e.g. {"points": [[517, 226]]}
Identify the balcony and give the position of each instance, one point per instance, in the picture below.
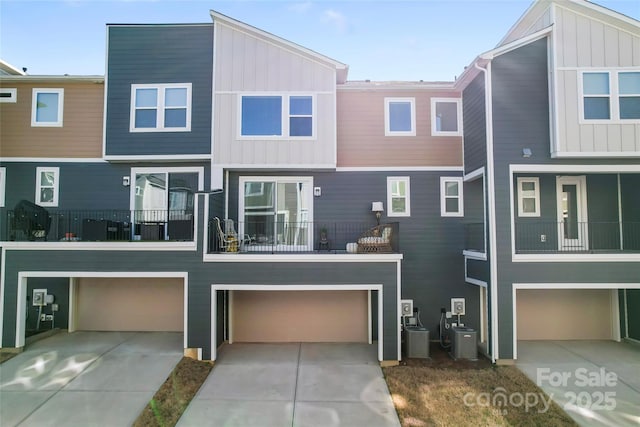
{"points": [[533, 237], [474, 233], [302, 237], [39, 225]]}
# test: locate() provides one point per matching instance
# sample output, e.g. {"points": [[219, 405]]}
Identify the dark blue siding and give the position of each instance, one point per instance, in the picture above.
{"points": [[432, 269], [159, 54], [474, 125]]}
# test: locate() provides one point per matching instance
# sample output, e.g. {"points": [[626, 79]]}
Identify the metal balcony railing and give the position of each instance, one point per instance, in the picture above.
{"points": [[571, 236], [268, 236], [98, 225]]}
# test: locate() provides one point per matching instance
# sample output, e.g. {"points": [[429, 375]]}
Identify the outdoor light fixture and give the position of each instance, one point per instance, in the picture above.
{"points": [[526, 153], [125, 181], [377, 208]]}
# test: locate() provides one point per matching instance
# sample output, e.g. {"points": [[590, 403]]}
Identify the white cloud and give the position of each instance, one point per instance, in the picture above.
{"points": [[335, 18]]}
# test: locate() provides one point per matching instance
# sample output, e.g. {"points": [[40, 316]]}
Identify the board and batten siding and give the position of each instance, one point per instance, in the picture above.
{"points": [[361, 131], [529, 25], [80, 135], [582, 44], [248, 64]]}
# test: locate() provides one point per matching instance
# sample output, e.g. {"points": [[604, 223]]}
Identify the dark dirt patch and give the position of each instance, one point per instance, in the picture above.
{"points": [[174, 396]]}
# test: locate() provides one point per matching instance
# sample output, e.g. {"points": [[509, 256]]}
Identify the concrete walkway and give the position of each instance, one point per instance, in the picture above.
{"points": [[86, 378], [596, 382], [293, 385]]}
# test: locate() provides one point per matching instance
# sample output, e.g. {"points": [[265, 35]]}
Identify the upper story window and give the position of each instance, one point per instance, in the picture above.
{"points": [[8, 95], [160, 107], [611, 96], [399, 117], [276, 116], [47, 186], [451, 196], [528, 196], [47, 107], [446, 117], [398, 196]]}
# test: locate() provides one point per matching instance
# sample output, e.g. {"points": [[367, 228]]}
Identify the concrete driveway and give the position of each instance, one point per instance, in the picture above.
{"points": [[294, 385], [596, 382], [86, 378]]}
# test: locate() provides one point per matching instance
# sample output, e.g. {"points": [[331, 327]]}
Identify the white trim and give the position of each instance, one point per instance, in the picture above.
{"points": [[481, 256], [620, 218], [491, 208], [387, 118], [582, 240], [51, 160], [160, 107], [24, 275], [576, 257], [626, 314], [273, 258], [105, 92], [552, 52], [369, 317], [3, 263], [398, 312], [285, 116], [281, 166], [444, 180], [576, 286], [407, 197], [276, 288], [536, 196], [400, 169], [39, 185], [159, 157], [102, 246], [214, 63], [574, 168], [170, 169], [471, 280], [599, 154], [3, 185], [34, 109], [507, 47], [615, 312], [436, 132], [73, 305], [472, 176], [13, 95]]}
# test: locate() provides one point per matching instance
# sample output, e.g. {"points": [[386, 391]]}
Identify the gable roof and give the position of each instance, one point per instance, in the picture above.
{"points": [[341, 68], [7, 69]]}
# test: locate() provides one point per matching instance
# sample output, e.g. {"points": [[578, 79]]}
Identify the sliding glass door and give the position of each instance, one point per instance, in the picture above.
{"points": [[276, 212]]}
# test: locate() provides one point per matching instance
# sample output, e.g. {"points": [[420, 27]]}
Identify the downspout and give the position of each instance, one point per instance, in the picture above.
{"points": [[493, 262]]}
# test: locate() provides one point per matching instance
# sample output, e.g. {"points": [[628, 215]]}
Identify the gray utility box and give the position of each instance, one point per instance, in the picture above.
{"points": [[417, 343], [464, 343]]}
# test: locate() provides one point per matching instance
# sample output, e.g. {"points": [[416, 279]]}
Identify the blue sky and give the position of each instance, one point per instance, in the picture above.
{"points": [[380, 40]]}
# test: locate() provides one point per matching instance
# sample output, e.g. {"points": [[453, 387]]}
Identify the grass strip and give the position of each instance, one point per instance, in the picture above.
{"points": [[173, 397]]}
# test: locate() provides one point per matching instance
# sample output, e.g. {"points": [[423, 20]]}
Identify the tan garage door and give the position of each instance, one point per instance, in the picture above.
{"points": [[564, 314], [123, 304], [299, 316]]}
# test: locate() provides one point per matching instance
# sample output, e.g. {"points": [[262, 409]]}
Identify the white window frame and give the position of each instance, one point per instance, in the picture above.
{"points": [[391, 196], [434, 130], [443, 196], [56, 186], [34, 110], [614, 96], [160, 107], [13, 95], [521, 196], [387, 117], [3, 185], [285, 116]]}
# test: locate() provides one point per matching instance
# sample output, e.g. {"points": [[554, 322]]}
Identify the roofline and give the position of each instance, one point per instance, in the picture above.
{"points": [[5, 64], [610, 12], [517, 23], [175, 24], [490, 54], [53, 78], [373, 85], [215, 15]]}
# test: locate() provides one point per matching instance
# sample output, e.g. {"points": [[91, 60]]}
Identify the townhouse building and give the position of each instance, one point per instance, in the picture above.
{"points": [[232, 185]]}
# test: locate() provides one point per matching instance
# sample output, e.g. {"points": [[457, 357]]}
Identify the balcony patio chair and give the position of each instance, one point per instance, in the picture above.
{"points": [[228, 239], [376, 240]]}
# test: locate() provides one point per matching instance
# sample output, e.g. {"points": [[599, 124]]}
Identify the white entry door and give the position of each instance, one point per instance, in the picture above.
{"points": [[573, 229]]}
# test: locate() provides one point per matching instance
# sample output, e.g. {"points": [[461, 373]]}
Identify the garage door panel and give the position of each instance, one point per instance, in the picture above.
{"points": [[130, 304], [300, 316], [564, 314]]}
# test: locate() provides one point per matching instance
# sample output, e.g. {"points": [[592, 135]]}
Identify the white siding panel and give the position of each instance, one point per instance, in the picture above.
{"points": [[626, 49], [636, 52], [586, 139], [568, 31], [628, 137], [611, 54], [600, 138], [597, 44], [571, 111], [614, 138], [583, 41]]}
